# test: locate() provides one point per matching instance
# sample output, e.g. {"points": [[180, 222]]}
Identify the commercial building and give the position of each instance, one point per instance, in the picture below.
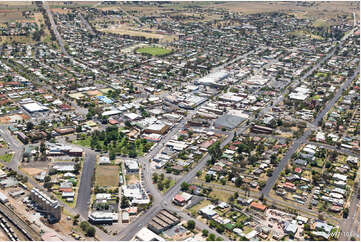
{"points": [[98, 217], [163, 221], [228, 121], [34, 107], [157, 129], [131, 165], [213, 78], [147, 235]]}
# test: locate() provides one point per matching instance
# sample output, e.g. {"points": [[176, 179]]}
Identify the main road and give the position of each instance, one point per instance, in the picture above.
{"points": [[84, 191], [86, 23], [55, 30]]}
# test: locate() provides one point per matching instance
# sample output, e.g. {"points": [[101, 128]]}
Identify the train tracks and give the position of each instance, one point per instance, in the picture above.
{"points": [[26, 230]]}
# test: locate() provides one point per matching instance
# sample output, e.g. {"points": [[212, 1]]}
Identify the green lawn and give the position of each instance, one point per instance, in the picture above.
{"points": [[316, 97], [83, 142], [6, 157], [154, 51], [319, 163]]}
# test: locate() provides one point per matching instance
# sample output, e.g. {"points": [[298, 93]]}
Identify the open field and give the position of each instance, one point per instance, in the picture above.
{"points": [[11, 11], [119, 29], [302, 33], [18, 39], [9, 15], [326, 9], [107, 176], [154, 51], [63, 4], [171, 184]]}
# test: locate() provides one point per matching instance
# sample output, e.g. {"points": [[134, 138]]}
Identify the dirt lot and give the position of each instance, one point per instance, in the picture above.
{"points": [[64, 226], [13, 118], [32, 171], [107, 176], [61, 10], [132, 179]]}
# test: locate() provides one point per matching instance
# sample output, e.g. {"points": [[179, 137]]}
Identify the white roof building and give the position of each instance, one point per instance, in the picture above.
{"points": [[146, 234], [103, 196], [302, 219], [340, 177], [212, 78], [64, 168], [251, 234], [104, 160], [34, 107], [131, 165], [101, 217]]}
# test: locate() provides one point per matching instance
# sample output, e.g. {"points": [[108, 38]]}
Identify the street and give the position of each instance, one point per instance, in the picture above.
{"points": [[84, 192], [53, 25]]}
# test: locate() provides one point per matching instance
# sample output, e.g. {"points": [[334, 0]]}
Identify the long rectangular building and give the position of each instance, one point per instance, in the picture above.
{"points": [[46, 204]]}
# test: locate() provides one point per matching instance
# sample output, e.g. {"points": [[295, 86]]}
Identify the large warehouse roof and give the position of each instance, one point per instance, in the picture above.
{"points": [[213, 77], [34, 107]]}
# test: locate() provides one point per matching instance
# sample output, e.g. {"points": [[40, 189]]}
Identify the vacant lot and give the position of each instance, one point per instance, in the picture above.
{"points": [[107, 176], [32, 171], [132, 179], [154, 51]]}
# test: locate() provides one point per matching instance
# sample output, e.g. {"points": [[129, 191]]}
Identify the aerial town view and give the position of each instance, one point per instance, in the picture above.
{"points": [[179, 120]]}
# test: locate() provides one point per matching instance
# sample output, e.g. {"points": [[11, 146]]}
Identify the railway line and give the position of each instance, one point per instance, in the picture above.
{"points": [[26, 231], [8, 229]]}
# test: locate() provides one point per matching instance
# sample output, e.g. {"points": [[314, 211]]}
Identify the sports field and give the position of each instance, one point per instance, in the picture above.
{"points": [[154, 51]]}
